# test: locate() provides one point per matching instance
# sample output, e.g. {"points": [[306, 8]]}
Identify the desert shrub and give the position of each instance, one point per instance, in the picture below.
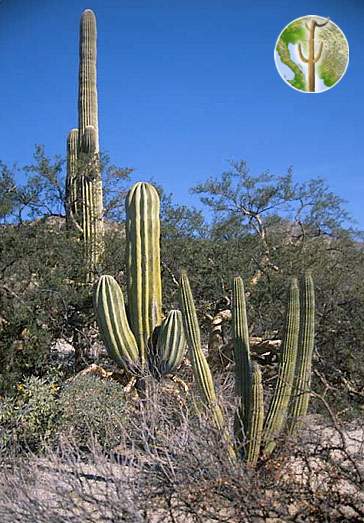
{"points": [[91, 408], [28, 418]]}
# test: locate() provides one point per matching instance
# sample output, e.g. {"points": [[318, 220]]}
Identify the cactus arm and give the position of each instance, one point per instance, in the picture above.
{"points": [[318, 24], [302, 379], [302, 56], [256, 418], [71, 177], [143, 263], [113, 324], [241, 347], [171, 344], [277, 412]]}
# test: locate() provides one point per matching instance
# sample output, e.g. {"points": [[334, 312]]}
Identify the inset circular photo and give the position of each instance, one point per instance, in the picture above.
{"points": [[311, 54]]}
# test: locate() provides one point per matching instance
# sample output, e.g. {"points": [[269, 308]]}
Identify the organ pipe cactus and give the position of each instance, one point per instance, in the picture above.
{"points": [[142, 337], [241, 351], [199, 363], [255, 417], [277, 413], [293, 383], [84, 201], [302, 378]]}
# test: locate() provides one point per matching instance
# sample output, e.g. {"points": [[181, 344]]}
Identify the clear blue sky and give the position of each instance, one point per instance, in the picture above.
{"points": [[184, 86]]}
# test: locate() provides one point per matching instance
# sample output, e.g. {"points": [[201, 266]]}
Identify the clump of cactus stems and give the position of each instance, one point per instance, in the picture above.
{"points": [[255, 434], [142, 338], [84, 202]]}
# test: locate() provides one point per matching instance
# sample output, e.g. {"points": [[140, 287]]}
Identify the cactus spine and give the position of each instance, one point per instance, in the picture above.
{"points": [[311, 59], [302, 380], [277, 413], [83, 176], [145, 337]]}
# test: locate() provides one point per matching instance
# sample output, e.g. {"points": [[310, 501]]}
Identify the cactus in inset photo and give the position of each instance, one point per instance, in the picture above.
{"points": [[312, 57]]}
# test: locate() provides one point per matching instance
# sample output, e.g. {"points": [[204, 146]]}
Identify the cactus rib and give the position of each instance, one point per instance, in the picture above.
{"points": [[277, 412]]}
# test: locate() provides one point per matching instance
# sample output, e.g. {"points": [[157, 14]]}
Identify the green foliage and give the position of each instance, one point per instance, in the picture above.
{"points": [[28, 418], [91, 409]]}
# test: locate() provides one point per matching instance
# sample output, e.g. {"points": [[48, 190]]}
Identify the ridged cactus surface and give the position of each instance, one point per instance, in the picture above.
{"points": [[84, 200], [87, 87], [301, 389], [241, 349], [113, 323], [171, 344], [71, 178], [255, 418], [277, 413], [143, 262]]}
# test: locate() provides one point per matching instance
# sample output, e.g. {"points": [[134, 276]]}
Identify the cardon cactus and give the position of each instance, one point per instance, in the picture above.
{"points": [[293, 383], [144, 337], [143, 262], [84, 201]]}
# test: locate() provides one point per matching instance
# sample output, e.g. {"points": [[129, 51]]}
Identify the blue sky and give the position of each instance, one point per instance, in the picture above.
{"points": [[184, 87]]}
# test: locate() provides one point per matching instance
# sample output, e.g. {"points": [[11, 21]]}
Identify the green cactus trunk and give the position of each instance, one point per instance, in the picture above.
{"points": [[241, 354], [113, 324], [301, 389], [143, 263], [255, 418], [71, 178], [277, 413]]}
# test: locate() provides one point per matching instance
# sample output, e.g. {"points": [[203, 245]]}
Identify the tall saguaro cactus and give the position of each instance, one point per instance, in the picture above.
{"points": [[312, 58], [84, 194]]}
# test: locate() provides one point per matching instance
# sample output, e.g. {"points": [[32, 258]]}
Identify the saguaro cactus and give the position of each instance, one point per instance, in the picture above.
{"points": [[312, 58], [84, 186], [144, 337]]}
